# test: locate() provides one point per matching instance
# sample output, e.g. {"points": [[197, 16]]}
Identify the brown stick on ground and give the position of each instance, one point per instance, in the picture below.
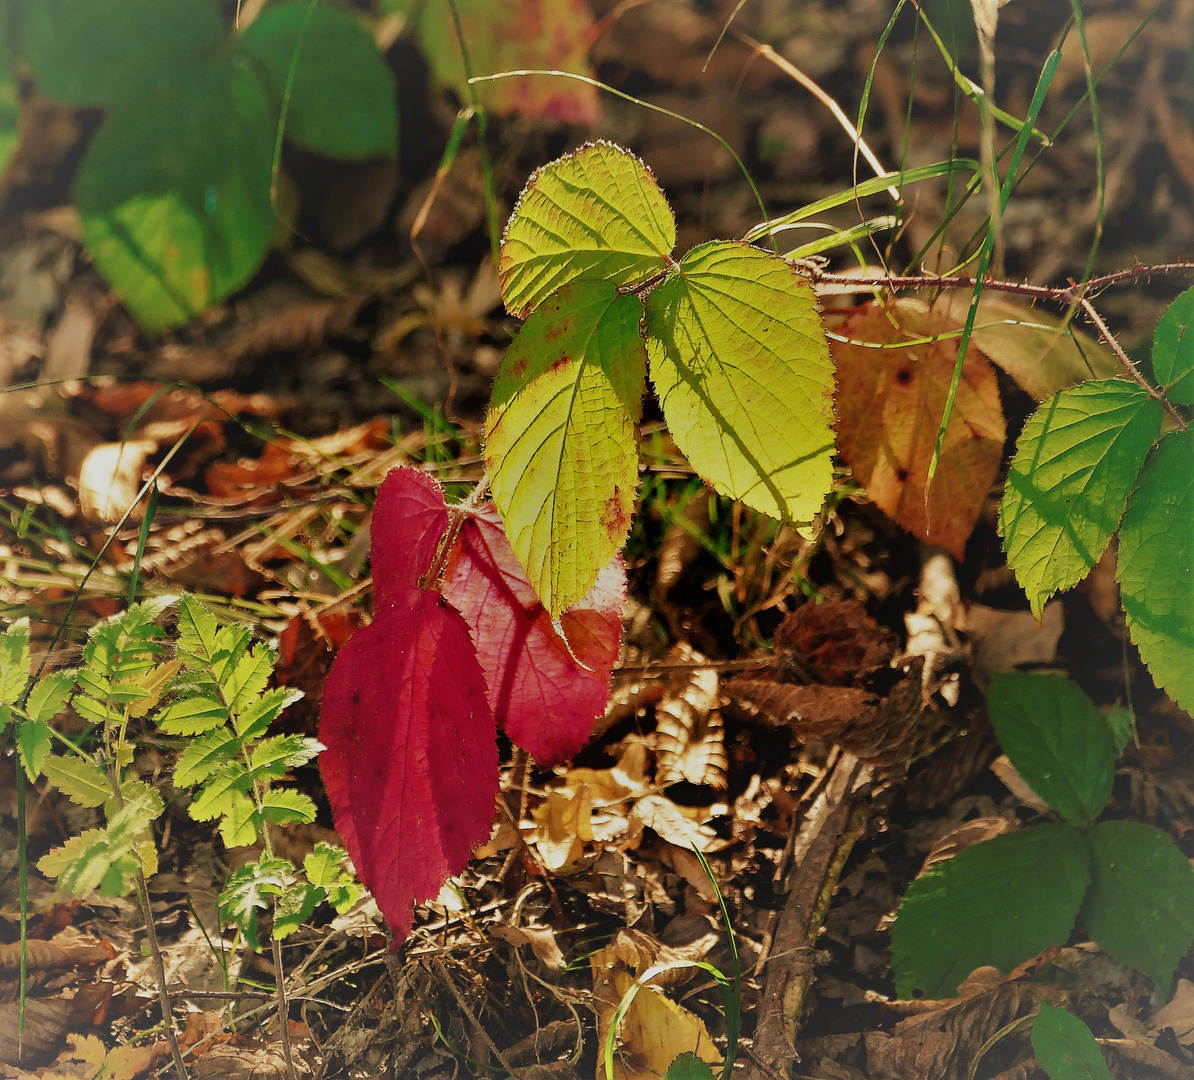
{"points": [[825, 837]]}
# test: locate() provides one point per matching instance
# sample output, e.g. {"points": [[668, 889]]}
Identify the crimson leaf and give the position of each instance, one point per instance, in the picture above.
{"points": [[411, 761], [544, 691]]}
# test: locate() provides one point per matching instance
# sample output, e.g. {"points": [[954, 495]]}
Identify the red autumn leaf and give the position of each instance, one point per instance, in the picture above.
{"points": [[409, 518], [889, 406], [544, 692], [411, 765]]}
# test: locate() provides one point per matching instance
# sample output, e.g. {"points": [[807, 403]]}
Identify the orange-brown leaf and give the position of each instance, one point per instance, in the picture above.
{"points": [[890, 403]]}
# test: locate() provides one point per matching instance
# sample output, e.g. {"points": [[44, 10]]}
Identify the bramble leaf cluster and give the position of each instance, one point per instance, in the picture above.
{"points": [[1007, 899]]}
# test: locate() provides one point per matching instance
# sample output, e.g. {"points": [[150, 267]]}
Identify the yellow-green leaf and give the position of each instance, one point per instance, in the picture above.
{"points": [[597, 213], [1075, 463], [741, 366], [561, 446], [80, 780]]}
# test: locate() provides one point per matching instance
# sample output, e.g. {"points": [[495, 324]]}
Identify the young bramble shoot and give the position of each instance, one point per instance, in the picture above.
{"points": [[738, 359]]}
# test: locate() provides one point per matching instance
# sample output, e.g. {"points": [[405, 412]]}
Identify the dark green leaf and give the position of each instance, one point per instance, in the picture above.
{"points": [[1140, 908], [689, 1067], [174, 193], [101, 52], [10, 113], [342, 99], [294, 907], [1173, 350], [1065, 1048], [997, 903], [250, 889], [1156, 566], [1058, 741]]}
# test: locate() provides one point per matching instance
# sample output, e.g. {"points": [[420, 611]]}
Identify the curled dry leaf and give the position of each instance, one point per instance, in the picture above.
{"points": [[110, 478], [689, 732], [890, 403]]}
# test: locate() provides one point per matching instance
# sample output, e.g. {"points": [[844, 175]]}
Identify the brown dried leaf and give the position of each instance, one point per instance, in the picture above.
{"points": [[890, 403], [689, 732], [837, 640]]}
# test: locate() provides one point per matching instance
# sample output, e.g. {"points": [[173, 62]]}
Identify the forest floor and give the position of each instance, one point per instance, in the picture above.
{"points": [[348, 356]]}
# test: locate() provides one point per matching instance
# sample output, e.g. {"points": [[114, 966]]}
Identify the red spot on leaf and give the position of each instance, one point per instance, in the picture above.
{"points": [[411, 762], [544, 699]]}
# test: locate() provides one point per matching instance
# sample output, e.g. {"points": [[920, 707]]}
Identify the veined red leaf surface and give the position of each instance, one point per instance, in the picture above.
{"points": [[411, 766], [544, 692], [409, 518]]}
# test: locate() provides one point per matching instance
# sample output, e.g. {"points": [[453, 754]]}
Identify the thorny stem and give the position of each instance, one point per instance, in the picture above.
{"points": [[456, 515], [1072, 294]]}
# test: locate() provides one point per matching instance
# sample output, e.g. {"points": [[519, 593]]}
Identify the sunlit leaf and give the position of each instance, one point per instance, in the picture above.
{"points": [[740, 364], [250, 889], [1060, 744], [1156, 566], [48, 698], [597, 213], [34, 740], [14, 661], [544, 691], [1173, 350], [192, 716], [79, 779], [506, 37], [890, 402], [342, 99], [1076, 462], [1140, 908], [995, 904], [561, 446], [409, 519]]}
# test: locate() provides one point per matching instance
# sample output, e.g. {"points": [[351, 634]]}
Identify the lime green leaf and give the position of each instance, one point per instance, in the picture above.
{"points": [[1057, 739], [249, 678], [80, 780], [220, 794], [997, 903], [1140, 908], [100, 52], [204, 756], [192, 716], [285, 806], [48, 698], [342, 100], [10, 113], [272, 758], [322, 865], [34, 740], [1156, 566], [1075, 464], [14, 661], [1065, 1048], [255, 720], [688, 1066], [231, 643], [174, 193], [597, 213], [741, 366], [1173, 350], [561, 447], [250, 889], [196, 633], [294, 907], [80, 864], [241, 824], [144, 800], [95, 710]]}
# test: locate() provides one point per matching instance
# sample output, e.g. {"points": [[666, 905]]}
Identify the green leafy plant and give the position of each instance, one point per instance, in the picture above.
{"points": [[1002, 901], [176, 191], [221, 708], [1088, 463], [734, 346]]}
